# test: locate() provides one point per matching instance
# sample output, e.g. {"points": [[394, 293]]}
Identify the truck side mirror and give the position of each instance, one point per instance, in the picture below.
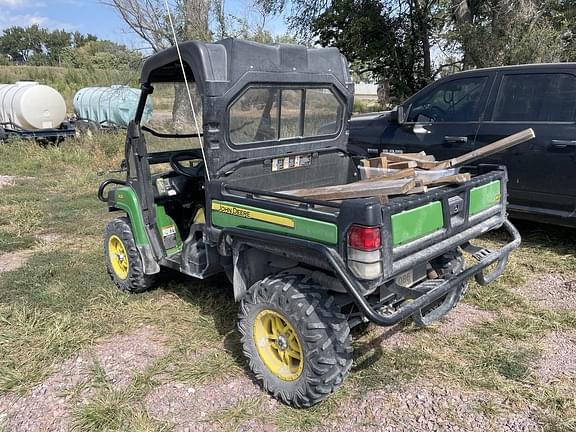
{"points": [[400, 111]]}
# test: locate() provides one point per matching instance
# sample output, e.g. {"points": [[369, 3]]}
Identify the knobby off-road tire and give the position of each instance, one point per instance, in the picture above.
{"points": [[122, 259], [316, 326]]}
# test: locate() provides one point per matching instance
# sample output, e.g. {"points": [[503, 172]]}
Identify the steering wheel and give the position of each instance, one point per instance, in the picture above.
{"points": [[435, 113], [195, 171]]}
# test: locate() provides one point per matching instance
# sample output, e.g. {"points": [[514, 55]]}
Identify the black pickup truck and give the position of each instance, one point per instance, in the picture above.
{"points": [[467, 110]]}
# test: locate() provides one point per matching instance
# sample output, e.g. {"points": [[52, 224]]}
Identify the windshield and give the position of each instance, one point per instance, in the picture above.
{"points": [[171, 126]]}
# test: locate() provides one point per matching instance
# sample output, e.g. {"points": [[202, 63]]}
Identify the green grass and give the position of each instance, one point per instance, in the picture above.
{"points": [[61, 302], [68, 81], [12, 242]]}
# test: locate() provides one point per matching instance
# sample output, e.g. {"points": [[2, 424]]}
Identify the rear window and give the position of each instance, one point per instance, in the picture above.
{"points": [[546, 97], [277, 114]]}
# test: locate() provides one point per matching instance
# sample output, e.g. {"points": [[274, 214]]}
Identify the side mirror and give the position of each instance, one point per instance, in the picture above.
{"points": [[400, 111]]}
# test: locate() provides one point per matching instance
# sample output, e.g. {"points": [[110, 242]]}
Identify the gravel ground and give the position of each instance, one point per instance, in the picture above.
{"points": [[552, 291], [463, 317], [457, 322], [193, 408], [558, 361], [422, 406], [46, 407]]}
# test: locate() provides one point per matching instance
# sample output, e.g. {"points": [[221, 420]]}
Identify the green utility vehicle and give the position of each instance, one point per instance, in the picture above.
{"points": [[209, 201]]}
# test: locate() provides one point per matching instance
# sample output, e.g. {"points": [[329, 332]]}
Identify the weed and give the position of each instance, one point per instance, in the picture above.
{"points": [[107, 411], [231, 418]]}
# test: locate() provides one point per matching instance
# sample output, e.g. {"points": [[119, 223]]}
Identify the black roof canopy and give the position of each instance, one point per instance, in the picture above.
{"points": [[223, 70], [217, 66]]}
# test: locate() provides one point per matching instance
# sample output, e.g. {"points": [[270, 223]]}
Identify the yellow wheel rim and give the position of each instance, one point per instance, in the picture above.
{"points": [[278, 345], [118, 256]]}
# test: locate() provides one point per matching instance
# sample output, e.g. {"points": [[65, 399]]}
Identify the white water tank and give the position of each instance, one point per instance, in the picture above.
{"points": [[30, 105]]}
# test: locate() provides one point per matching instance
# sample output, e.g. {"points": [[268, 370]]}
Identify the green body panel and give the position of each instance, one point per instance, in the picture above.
{"points": [[413, 224], [127, 200], [164, 221], [484, 197], [305, 228]]}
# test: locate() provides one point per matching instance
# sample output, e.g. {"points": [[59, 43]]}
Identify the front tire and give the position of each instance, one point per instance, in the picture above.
{"points": [[122, 258], [296, 340]]}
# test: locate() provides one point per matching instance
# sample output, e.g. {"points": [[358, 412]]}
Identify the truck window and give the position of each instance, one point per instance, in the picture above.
{"points": [[454, 101], [536, 97], [276, 114]]}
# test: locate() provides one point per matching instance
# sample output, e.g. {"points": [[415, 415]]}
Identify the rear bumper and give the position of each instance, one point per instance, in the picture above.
{"points": [[355, 289], [477, 271]]}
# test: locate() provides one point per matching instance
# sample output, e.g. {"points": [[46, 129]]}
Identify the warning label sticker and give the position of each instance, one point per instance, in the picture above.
{"points": [[289, 162]]}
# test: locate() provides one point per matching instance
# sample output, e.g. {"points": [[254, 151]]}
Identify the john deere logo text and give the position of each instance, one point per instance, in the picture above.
{"points": [[252, 214], [235, 211]]}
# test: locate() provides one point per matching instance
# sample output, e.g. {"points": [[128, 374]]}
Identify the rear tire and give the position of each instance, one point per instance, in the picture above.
{"points": [[315, 336], [122, 258]]}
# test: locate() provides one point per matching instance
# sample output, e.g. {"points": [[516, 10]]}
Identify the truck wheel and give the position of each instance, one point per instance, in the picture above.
{"points": [[296, 340], [122, 259]]}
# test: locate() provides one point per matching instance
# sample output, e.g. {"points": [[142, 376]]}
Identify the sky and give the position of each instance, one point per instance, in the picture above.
{"points": [[88, 16]]}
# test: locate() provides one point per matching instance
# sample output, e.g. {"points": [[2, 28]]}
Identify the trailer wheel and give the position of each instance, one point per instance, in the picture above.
{"points": [[122, 259], [296, 340], [86, 128]]}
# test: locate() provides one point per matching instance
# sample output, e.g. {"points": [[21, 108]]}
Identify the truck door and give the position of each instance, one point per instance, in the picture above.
{"points": [[542, 171], [442, 119]]}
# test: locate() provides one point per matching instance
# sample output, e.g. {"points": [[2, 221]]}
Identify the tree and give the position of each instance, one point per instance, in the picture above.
{"points": [[502, 32], [388, 41], [55, 43], [149, 20], [79, 40], [102, 55], [21, 43]]}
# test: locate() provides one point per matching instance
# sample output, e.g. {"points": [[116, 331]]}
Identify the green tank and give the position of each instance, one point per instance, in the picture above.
{"points": [[112, 106]]}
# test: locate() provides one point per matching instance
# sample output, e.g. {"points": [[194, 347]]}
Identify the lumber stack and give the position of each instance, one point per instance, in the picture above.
{"points": [[408, 173]]}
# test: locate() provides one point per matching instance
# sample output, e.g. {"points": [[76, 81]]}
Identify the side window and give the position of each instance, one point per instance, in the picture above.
{"points": [[275, 114], [171, 114], [536, 97], [454, 101]]}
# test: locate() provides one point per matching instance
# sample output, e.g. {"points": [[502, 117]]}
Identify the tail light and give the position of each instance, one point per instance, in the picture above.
{"points": [[364, 253], [364, 238]]}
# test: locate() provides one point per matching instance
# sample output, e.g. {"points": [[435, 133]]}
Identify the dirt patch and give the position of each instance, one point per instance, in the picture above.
{"points": [[6, 181], [49, 238], [422, 406], [191, 407], [11, 261], [457, 322], [558, 361], [462, 318], [46, 407], [553, 291]]}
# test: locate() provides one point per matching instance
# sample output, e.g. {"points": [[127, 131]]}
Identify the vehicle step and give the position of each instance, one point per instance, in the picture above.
{"points": [[428, 285], [477, 252]]}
